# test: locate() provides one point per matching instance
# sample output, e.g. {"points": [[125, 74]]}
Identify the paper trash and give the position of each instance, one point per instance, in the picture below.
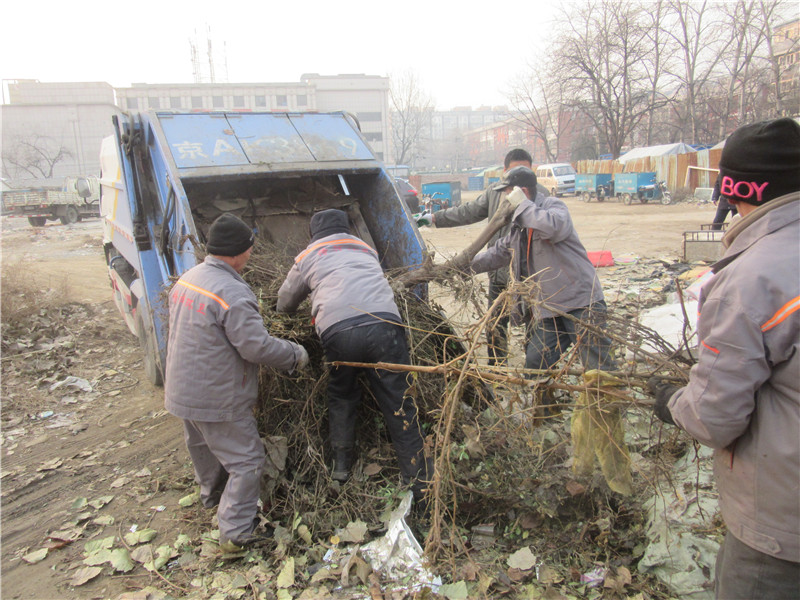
{"points": [[74, 382]]}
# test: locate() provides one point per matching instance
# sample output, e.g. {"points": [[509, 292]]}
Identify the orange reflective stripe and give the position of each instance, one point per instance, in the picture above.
{"points": [[528, 255], [785, 310], [206, 293], [714, 350], [303, 254]]}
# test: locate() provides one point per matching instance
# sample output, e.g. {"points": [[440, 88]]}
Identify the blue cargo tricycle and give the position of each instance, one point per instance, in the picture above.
{"points": [[642, 187], [594, 185]]}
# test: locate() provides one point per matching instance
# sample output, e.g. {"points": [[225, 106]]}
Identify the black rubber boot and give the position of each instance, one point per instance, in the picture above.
{"points": [[342, 464]]}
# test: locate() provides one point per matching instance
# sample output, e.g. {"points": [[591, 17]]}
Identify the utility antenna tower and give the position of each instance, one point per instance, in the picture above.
{"points": [[198, 75], [210, 57], [199, 63], [225, 59]]}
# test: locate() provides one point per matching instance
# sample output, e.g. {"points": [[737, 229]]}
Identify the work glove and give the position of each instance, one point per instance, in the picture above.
{"points": [[424, 219], [516, 196], [662, 390], [302, 360]]}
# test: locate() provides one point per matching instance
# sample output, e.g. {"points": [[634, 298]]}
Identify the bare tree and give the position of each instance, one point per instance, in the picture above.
{"points": [[746, 39], [35, 155], [411, 110], [787, 101], [661, 56], [700, 44], [537, 99], [602, 50]]}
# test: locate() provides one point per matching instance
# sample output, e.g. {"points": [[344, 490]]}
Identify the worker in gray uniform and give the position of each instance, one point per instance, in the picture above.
{"points": [[542, 243], [217, 339], [743, 395], [484, 207], [357, 320]]}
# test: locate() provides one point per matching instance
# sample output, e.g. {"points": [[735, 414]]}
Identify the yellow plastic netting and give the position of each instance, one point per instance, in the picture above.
{"points": [[598, 431]]}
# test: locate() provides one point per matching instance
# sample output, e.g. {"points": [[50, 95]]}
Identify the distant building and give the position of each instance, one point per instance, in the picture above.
{"points": [[365, 96], [74, 117], [489, 144], [51, 130], [786, 49], [442, 141]]}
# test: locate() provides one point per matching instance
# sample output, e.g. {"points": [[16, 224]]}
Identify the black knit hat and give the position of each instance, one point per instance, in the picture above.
{"points": [[518, 177], [761, 162], [328, 222], [229, 236]]}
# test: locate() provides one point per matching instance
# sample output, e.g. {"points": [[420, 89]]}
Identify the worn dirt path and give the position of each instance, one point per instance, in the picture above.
{"points": [[119, 433]]}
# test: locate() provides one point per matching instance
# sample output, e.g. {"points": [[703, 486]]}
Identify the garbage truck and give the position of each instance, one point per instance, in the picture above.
{"points": [[165, 177]]}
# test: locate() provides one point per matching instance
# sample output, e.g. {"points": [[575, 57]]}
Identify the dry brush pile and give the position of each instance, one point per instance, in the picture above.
{"points": [[506, 476]]}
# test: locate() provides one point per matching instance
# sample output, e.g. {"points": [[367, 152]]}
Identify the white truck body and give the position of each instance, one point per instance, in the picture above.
{"points": [[78, 199]]}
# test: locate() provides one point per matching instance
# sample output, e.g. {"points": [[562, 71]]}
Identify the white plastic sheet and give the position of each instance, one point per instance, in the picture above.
{"points": [[398, 554]]}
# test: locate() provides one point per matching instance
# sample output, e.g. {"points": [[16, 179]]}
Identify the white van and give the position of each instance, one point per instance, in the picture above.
{"points": [[558, 178]]}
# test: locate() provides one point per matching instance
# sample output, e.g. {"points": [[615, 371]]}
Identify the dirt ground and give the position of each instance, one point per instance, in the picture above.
{"points": [[646, 230], [116, 440]]}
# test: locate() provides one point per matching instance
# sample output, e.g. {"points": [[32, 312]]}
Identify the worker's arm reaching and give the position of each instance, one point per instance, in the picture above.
{"points": [[464, 214], [293, 291]]}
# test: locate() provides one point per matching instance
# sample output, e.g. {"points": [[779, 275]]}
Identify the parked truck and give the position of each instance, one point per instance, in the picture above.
{"points": [[77, 199], [166, 176]]}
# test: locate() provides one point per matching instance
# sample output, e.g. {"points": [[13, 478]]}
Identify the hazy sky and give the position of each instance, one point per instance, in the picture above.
{"points": [[464, 53]]}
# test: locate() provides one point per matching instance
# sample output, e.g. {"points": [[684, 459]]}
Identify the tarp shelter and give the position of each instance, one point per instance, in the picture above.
{"points": [[654, 151]]}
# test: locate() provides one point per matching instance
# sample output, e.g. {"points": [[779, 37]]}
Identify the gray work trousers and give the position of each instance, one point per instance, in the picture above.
{"points": [[743, 572], [228, 459]]}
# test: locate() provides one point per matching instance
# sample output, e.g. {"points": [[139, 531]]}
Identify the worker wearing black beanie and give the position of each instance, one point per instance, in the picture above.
{"points": [[743, 394], [229, 236], [328, 222], [761, 162]]}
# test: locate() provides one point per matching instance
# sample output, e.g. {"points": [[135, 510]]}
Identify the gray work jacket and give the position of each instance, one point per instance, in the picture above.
{"points": [[343, 275], [743, 396], [217, 339], [483, 207], [543, 242]]}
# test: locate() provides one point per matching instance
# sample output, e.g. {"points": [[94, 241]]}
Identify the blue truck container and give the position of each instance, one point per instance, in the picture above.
{"points": [[475, 183], [642, 187], [593, 185], [441, 195], [166, 176]]}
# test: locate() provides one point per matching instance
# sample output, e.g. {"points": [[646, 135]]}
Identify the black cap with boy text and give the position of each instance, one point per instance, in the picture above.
{"points": [[761, 162]]}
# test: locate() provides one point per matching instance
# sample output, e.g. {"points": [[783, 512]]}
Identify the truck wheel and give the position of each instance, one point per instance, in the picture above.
{"points": [[70, 216], [586, 197], [37, 221], [150, 353], [627, 198]]}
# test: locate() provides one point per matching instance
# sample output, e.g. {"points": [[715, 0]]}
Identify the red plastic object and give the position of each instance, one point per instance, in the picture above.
{"points": [[602, 258]]}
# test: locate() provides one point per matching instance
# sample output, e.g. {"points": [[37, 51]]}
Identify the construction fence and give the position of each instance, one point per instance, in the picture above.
{"points": [[691, 170]]}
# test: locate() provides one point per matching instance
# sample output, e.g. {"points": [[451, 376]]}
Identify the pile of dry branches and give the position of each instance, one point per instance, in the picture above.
{"points": [[499, 456]]}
